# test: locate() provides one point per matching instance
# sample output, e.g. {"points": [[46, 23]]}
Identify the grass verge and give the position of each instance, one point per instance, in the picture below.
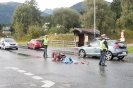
{"points": [[130, 49]]}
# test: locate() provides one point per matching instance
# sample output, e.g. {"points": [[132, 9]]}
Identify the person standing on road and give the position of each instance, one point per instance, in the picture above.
{"points": [[103, 49], [45, 43]]}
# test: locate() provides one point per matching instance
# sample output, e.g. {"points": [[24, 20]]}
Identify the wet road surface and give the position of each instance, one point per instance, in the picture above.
{"points": [[14, 65]]}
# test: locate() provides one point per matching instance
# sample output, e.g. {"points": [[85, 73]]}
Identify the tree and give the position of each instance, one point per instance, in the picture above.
{"points": [[66, 17], [126, 19], [104, 15], [1, 26], [116, 8], [26, 15]]}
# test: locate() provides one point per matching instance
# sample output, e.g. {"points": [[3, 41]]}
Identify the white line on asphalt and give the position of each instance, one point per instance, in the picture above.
{"points": [[29, 74], [21, 71], [14, 68], [47, 83], [37, 77], [8, 67]]}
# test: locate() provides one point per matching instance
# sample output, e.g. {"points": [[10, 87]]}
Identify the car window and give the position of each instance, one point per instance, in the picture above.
{"points": [[39, 40], [121, 43], [95, 43], [32, 40], [9, 40], [112, 43]]}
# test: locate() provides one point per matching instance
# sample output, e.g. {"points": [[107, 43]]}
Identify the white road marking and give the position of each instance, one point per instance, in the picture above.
{"points": [[37, 77], [21, 71], [29, 74], [14, 68], [8, 67], [47, 83]]}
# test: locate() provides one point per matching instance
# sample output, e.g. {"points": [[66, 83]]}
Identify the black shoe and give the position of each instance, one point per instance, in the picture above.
{"points": [[122, 60], [104, 65], [99, 63]]}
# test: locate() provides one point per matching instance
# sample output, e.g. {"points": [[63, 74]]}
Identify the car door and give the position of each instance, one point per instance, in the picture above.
{"points": [[30, 43], [92, 47], [97, 48]]}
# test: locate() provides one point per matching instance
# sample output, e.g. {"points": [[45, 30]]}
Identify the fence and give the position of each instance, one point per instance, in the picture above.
{"points": [[62, 43]]}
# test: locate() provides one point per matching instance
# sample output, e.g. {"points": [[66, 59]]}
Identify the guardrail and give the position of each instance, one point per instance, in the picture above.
{"points": [[62, 43]]}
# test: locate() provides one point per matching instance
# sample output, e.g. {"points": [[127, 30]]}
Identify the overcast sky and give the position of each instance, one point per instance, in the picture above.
{"points": [[51, 4]]}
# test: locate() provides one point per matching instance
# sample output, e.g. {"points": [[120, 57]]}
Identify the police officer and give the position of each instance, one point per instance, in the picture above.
{"points": [[45, 43], [104, 49]]}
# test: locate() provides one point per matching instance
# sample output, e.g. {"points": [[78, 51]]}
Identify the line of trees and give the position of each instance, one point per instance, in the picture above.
{"points": [[28, 23]]}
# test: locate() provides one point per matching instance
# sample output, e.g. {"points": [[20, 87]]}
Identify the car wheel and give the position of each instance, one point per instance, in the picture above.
{"points": [[109, 56], [82, 53], [120, 57]]}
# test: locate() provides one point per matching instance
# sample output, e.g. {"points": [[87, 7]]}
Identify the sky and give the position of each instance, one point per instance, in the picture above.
{"points": [[51, 4]]}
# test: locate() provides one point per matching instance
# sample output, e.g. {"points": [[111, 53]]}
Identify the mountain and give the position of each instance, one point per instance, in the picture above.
{"points": [[47, 12], [6, 11], [78, 7]]}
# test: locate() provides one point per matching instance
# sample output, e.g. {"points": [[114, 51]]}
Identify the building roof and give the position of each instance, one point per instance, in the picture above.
{"points": [[85, 30]]}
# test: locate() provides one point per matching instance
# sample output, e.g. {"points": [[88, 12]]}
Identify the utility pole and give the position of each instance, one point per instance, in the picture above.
{"points": [[94, 19]]}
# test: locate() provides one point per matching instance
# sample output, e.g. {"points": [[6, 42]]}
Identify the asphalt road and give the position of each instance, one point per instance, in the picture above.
{"points": [[26, 68]]}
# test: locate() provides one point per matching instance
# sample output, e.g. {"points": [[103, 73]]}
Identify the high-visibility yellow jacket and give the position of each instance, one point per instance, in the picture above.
{"points": [[102, 45], [45, 42]]}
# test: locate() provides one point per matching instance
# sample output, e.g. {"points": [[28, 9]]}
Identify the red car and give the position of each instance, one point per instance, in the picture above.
{"points": [[35, 44]]}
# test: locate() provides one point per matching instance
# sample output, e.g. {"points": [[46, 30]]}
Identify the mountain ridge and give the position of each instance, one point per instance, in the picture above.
{"points": [[7, 9]]}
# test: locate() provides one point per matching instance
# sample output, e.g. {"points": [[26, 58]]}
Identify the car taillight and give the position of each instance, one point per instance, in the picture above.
{"points": [[116, 46]]}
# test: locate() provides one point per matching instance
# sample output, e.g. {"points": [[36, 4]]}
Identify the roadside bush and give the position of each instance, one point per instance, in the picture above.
{"points": [[59, 30], [69, 37], [33, 32]]}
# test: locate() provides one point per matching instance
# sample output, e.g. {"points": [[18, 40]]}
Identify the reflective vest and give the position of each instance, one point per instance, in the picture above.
{"points": [[45, 42], [102, 45]]}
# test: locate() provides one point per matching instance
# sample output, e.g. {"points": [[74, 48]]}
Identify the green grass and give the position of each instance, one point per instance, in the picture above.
{"points": [[24, 42], [130, 49]]}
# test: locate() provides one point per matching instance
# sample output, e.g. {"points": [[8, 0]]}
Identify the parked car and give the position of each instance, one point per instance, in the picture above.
{"points": [[116, 49], [35, 44], [8, 43]]}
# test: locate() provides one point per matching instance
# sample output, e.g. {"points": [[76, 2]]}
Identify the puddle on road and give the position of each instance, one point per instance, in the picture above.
{"points": [[26, 55], [31, 56]]}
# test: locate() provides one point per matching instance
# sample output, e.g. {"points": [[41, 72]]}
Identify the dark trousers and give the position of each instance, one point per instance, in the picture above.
{"points": [[102, 57], [45, 49]]}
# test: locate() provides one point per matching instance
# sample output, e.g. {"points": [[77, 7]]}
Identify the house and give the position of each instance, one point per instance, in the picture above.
{"points": [[83, 36], [6, 31]]}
